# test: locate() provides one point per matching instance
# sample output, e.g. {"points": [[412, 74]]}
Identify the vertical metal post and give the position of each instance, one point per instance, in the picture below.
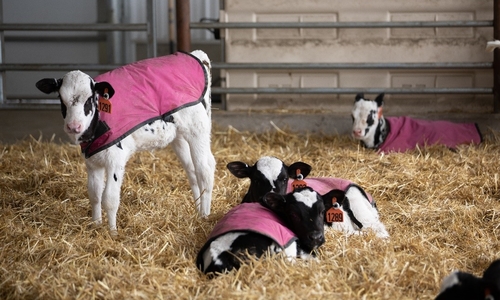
{"points": [[496, 57], [171, 26], [2, 57], [151, 20], [223, 33], [183, 19], [115, 41]]}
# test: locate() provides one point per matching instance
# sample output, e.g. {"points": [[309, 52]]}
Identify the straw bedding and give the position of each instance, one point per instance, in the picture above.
{"points": [[440, 207]]}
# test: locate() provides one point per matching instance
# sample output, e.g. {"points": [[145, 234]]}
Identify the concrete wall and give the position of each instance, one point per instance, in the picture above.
{"points": [[356, 46]]}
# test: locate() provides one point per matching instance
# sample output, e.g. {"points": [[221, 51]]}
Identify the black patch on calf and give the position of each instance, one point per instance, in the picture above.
{"points": [[381, 132], [359, 96], [119, 145], [306, 223], [250, 244], [468, 287], [114, 177], [63, 108], [89, 104], [168, 119], [370, 120]]}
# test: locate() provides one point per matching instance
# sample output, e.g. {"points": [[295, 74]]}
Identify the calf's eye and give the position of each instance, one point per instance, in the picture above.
{"points": [[87, 107]]}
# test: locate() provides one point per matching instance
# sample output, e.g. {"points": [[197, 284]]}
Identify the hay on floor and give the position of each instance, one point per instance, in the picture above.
{"points": [[441, 208]]}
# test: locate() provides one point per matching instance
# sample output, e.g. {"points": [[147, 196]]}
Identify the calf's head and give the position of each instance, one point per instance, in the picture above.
{"points": [[268, 174], [365, 116], [303, 211], [79, 95]]}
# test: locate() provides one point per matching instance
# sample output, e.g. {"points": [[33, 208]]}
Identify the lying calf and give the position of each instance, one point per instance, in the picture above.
{"points": [[461, 285], [155, 102], [291, 223], [399, 134], [271, 174], [349, 208]]}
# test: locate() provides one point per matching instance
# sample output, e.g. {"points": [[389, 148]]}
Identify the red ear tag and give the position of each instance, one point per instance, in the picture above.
{"points": [[104, 103], [334, 214], [299, 183]]}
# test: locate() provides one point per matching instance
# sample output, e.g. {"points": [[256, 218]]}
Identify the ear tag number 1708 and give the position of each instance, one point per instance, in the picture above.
{"points": [[334, 214], [104, 103]]}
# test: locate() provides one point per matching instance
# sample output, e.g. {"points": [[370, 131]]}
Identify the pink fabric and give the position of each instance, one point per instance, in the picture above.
{"points": [[406, 133], [255, 218], [147, 90], [323, 185]]}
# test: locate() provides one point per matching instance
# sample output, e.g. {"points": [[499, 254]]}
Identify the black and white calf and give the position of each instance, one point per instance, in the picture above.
{"points": [[349, 208], [399, 134], [292, 224], [461, 285], [271, 174], [268, 174], [155, 102]]}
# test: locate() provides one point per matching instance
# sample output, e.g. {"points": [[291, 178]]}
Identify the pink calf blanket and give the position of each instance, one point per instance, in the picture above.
{"points": [[406, 133], [146, 91], [253, 217], [323, 185]]}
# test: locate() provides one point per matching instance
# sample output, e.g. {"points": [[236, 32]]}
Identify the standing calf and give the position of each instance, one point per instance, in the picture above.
{"points": [[291, 223], [271, 174], [399, 134], [155, 102]]}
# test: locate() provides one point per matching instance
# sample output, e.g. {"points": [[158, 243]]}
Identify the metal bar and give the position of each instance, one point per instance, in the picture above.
{"points": [[480, 65], [182, 15], [216, 90], [252, 25], [75, 27], [2, 57], [58, 67], [151, 33], [496, 57], [318, 66]]}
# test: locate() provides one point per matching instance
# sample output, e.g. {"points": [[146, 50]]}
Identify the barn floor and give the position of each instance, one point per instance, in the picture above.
{"points": [[440, 207]]}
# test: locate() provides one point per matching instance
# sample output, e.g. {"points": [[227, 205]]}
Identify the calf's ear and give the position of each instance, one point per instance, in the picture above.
{"points": [[104, 87], [359, 97], [274, 202], [304, 168], [380, 100], [49, 85], [337, 195], [239, 169]]}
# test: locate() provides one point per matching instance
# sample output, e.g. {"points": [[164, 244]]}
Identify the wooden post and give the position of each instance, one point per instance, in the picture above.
{"points": [[183, 31]]}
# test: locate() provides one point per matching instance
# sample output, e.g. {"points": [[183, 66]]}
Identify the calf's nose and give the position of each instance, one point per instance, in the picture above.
{"points": [[317, 238], [74, 127], [356, 132]]}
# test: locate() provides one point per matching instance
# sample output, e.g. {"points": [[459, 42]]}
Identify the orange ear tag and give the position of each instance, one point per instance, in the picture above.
{"points": [[334, 214], [299, 183], [380, 113], [104, 103]]}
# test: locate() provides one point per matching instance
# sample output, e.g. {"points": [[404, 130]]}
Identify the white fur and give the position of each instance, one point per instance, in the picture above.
{"points": [[449, 281], [270, 167], [364, 212], [189, 136], [218, 246], [360, 112], [492, 45], [306, 197]]}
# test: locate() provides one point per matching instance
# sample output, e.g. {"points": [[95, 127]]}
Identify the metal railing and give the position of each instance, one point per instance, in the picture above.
{"points": [[148, 27], [495, 90]]}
